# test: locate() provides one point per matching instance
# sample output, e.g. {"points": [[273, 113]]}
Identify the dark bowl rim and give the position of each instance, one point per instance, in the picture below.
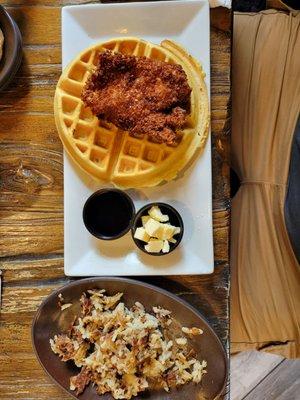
{"points": [[16, 59], [138, 283], [138, 215], [99, 192]]}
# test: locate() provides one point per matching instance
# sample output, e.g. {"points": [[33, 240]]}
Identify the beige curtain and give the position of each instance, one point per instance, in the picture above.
{"points": [[265, 293]]}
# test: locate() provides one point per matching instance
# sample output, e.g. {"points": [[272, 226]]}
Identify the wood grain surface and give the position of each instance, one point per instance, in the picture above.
{"points": [[248, 369], [257, 375], [282, 384], [31, 195]]}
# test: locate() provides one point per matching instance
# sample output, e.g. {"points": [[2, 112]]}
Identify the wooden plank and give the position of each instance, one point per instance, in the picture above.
{"points": [[221, 234], [31, 238], [248, 369], [29, 129], [28, 382], [281, 384], [33, 82], [42, 54], [29, 104], [31, 167], [31, 198], [23, 299], [38, 25], [33, 269]]}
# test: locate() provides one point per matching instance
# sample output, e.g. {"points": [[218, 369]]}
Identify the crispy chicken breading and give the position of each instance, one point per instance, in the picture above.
{"points": [[141, 95]]}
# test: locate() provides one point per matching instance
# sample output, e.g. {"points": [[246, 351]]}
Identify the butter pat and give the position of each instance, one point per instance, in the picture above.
{"points": [[152, 227], [154, 246], [141, 234], [166, 247], [177, 230], [145, 218], [156, 214], [165, 232]]}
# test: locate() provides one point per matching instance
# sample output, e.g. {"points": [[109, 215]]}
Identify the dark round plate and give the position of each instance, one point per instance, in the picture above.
{"points": [[50, 320], [12, 51]]}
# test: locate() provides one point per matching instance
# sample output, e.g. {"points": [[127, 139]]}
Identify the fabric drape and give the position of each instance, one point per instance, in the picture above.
{"points": [[265, 291]]}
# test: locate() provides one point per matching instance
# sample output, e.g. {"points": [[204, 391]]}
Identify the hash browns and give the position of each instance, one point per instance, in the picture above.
{"points": [[126, 351]]}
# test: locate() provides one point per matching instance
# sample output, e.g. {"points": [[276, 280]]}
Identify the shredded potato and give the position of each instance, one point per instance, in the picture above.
{"points": [[125, 351]]}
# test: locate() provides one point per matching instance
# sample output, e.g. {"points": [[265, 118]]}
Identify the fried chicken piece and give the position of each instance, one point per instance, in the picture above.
{"points": [[143, 96]]}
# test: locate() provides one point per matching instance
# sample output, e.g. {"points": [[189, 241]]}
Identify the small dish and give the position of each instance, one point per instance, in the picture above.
{"points": [[12, 48], [174, 219], [108, 214]]}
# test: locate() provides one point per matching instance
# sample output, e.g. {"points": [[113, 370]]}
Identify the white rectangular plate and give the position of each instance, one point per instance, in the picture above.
{"points": [[186, 22]]}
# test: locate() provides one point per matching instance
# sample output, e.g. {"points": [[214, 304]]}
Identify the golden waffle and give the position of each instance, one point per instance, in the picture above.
{"points": [[111, 154]]}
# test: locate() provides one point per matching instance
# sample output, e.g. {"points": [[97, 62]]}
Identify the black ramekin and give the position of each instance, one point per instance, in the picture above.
{"points": [[174, 219]]}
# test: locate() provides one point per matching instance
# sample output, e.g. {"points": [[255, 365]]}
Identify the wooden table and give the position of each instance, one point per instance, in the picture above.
{"points": [[31, 184]]}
